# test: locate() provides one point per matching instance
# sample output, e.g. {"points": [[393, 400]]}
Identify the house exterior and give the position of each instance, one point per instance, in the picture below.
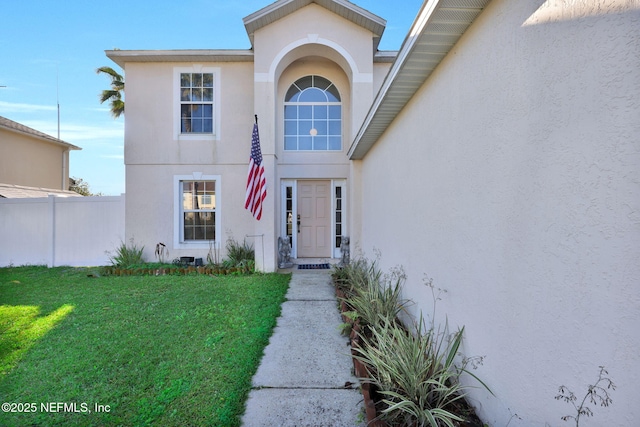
{"points": [[495, 155], [32, 163], [310, 78]]}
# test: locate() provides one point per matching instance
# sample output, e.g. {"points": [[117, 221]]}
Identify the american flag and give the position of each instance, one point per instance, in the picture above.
{"points": [[256, 183]]}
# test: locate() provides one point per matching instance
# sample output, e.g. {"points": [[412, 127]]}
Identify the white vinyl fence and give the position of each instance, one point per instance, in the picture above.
{"points": [[56, 231]]}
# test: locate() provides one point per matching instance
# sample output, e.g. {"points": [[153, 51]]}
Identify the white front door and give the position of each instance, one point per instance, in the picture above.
{"points": [[314, 219]]}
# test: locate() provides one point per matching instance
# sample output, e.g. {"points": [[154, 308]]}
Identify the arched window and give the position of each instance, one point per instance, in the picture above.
{"points": [[312, 116]]}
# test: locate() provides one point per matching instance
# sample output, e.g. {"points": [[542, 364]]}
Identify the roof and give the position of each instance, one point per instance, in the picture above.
{"points": [[12, 126], [10, 191], [436, 29], [121, 57], [281, 8], [254, 22]]}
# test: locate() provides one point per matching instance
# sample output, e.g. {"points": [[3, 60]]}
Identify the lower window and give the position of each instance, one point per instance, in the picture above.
{"points": [[198, 210]]}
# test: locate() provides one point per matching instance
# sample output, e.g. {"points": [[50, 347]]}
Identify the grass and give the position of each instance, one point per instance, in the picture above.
{"points": [[159, 350]]}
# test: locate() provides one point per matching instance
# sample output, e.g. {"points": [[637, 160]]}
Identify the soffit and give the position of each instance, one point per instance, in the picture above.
{"points": [[16, 127], [343, 8], [121, 57], [436, 29]]}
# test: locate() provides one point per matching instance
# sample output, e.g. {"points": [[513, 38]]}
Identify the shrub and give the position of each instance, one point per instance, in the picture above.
{"points": [[240, 255], [127, 255]]}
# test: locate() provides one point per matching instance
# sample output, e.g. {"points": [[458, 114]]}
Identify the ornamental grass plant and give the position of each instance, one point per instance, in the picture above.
{"points": [[415, 374], [375, 298], [127, 255], [411, 369]]}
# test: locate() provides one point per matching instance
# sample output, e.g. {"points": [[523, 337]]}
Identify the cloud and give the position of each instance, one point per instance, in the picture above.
{"points": [[12, 107], [77, 133]]}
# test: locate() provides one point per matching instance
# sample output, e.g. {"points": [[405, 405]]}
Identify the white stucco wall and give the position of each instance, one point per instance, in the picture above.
{"points": [[512, 179]]}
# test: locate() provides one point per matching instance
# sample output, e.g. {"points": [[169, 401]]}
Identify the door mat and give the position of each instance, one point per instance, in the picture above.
{"points": [[313, 266]]}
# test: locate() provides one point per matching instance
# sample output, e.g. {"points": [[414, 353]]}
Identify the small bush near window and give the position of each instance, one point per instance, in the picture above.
{"points": [[239, 254], [127, 255]]}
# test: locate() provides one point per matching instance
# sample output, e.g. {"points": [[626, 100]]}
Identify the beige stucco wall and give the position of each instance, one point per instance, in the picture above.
{"points": [[154, 155], [312, 40], [512, 180], [33, 162]]}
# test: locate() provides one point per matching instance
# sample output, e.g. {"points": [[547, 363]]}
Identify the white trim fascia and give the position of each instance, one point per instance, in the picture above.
{"points": [[405, 51], [343, 8], [122, 57], [403, 80]]}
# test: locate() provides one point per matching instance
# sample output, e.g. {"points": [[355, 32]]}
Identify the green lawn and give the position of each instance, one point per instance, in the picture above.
{"points": [[161, 351]]}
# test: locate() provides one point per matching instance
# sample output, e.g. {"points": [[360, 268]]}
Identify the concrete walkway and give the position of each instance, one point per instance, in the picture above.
{"points": [[301, 378]]}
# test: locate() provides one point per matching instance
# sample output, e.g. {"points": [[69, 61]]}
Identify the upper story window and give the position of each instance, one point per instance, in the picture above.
{"points": [[196, 108], [196, 102], [312, 116]]}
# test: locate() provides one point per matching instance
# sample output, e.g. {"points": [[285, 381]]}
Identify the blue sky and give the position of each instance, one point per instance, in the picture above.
{"points": [[49, 51]]}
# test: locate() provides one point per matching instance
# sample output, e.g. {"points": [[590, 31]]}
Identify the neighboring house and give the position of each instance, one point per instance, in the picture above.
{"points": [[496, 153], [32, 163]]}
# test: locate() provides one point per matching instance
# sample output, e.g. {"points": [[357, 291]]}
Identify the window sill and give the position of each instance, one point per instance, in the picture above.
{"points": [[196, 137], [195, 244]]}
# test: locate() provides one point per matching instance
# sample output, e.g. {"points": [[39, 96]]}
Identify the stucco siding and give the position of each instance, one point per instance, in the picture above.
{"points": [[512, 179], [33, 163], [152, 203], [150, 131], [155, 153]]}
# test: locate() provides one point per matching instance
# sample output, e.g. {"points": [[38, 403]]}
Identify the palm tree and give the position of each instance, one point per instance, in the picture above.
{"points": [[115, 93]]}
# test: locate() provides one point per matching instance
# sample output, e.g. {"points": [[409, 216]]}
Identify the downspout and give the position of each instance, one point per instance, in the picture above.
{"points": [[65, 177]]}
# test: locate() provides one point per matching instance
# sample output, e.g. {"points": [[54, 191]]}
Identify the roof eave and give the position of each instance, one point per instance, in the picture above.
{"points": [[435, 31], [32, 133], [121, 57]]}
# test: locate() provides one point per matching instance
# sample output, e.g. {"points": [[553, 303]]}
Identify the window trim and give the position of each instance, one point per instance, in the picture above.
{"points": [[178, 230], [177, 122]]}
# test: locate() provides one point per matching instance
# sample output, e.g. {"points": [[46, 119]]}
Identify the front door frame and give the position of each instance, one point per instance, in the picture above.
{"points": [[289, 212]]}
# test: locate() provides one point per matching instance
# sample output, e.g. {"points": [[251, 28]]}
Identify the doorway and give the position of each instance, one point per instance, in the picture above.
{"points": [[313, 217]]}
